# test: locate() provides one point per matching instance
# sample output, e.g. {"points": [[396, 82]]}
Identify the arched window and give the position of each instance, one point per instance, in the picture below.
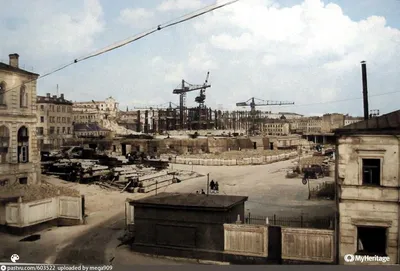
{"points": [[23, 145], [3, 93], [23, 97], [4, 144]]}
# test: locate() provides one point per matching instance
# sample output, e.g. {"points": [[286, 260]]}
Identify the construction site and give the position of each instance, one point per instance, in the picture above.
{"points": [[179, 117]]}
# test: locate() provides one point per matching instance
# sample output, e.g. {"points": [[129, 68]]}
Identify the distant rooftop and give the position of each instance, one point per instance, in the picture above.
{"points": [[53, 99], [14, 66], [185, 200], [385, 124]]}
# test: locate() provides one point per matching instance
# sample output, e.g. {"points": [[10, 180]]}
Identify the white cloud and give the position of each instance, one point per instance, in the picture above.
{"points": [[169, 5], [136, 17], [307, 53], [50, 31]]}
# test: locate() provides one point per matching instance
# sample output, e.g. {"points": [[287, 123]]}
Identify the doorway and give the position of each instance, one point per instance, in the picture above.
{"points": [[271, 146], [255, 145], [123, 149]]}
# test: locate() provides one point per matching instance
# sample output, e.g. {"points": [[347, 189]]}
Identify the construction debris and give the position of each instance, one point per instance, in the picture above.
{"points": [[236, 154], [134, 173]]}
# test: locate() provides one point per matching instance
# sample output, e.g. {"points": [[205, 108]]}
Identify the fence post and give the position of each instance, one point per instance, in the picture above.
{"points": [[249, 218], [274, 219], [301, 221]]}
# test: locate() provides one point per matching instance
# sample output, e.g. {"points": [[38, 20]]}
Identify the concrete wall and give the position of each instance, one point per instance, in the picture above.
{"points": [[231, 162], [308, 245], [361, 205], [243, 239], [25, 214]]}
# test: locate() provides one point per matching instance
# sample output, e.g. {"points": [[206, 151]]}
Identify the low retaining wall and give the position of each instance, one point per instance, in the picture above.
{"points": [[27, 214], [232, 162]]}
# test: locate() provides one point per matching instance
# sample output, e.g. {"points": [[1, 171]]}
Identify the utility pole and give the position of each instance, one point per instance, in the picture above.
{"points": [[208, 183]]}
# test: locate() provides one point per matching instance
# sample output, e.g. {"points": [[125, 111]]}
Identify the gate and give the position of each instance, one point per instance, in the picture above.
{"points": [[275, 244]]}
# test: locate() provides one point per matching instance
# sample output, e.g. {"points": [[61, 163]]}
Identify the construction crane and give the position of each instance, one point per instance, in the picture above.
{"points": [[185, 88], [200, 100], [251, 102]]}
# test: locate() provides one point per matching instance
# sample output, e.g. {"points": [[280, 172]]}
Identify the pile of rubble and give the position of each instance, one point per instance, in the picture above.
{"points": [[236, 154], [36, 192]]}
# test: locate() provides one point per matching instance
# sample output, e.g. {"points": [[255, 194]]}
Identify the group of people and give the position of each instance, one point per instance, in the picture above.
{"points": [[214, 187]]}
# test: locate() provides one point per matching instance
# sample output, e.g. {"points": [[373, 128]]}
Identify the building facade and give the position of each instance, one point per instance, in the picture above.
{"points": [[109, 107], [331, 122], [368, 188], [276, 127], [55, 121], [19, 156], [350, 120]]}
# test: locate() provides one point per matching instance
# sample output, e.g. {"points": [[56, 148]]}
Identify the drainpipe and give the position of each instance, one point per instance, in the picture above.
{"points": [[398, 202], [337, 213]]}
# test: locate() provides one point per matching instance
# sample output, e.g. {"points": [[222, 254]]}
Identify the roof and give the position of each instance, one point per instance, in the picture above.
{"points": [[88, 127], [385, 124], [187, 200], [54, 100], [6, 67]]}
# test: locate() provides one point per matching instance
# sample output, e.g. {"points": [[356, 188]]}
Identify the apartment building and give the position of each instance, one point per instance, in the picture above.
{"points": [[368, 188], [307, 125], [55, 121], [109, 107], [19, 157], [276, 127], [331, 122]]}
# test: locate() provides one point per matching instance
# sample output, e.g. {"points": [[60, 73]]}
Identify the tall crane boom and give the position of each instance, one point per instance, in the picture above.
{"points": [[251, 102], [185, 88]]}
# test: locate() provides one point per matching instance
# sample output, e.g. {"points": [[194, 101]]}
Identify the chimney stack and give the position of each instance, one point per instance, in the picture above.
{"points": [[365, 89], [48, 95], [62, 96], [14, 60]]}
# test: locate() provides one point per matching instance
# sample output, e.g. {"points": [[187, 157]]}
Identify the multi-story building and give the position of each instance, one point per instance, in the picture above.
{"points": [[350, 120], [19, 157], [276, 127], [55, 121], [368, 189], [308, 125], [331, 122], [86, 116], [109, 107]]}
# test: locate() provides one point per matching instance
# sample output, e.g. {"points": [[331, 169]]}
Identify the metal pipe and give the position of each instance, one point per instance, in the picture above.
{"points": [[365, 89]]}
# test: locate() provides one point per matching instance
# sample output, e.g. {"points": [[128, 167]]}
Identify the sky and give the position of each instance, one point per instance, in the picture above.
{"points": [[307, 52]]}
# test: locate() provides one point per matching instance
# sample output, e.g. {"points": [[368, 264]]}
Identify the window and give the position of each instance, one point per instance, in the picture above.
{"points": [[23, 180], [69, 130], [371, 241], [39, 130], [4, 144], [63, 130], [51, 130], [3, 93], [4, 182], [23, 97], [371, 171], [63, 120], [41, 119], [42, 107], [63, 109], [58, 119], [58, 108], [23, 145], [58, 130]]}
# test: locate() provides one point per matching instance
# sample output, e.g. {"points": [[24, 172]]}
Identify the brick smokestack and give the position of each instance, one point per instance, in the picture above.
{"points": [[365, 89], [14, 60]]}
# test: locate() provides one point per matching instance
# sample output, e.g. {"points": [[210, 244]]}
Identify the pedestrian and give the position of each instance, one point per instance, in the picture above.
{"points": [[202, 191], [216, 187], [212, 185]]}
